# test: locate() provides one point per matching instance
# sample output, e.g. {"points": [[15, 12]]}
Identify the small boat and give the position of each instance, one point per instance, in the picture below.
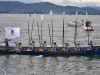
{"points": [[72, 24], [95, 51], [89, 28]]}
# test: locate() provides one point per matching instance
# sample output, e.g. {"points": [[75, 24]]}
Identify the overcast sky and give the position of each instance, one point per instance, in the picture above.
{"points": [[79, 3]]}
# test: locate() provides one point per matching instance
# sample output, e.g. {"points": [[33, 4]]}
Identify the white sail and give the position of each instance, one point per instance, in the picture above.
{"points": [[76, 13], [51, 13], [41, 17]]}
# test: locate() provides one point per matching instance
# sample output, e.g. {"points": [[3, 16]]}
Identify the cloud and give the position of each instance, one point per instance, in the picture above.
{"points": [[53, 1], [79, 3]]}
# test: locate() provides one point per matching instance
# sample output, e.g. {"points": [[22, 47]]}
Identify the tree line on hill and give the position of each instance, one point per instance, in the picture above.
{"points": [[43, 8]]}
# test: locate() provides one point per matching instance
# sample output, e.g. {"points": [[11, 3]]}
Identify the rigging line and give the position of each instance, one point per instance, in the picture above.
{"points": [[3, 70]]}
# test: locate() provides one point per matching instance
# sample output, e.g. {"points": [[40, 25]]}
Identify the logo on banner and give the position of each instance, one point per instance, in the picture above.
{"points": [[12, 32]]}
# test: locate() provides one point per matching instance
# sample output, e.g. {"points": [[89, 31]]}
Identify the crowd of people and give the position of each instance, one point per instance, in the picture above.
{"points": [[43, 47]]}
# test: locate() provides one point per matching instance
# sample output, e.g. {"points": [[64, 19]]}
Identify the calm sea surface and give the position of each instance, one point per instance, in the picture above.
{"points": [[39, 65]]}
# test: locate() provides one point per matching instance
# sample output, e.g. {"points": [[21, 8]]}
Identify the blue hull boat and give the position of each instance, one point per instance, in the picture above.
{"points": [[95, 51]]}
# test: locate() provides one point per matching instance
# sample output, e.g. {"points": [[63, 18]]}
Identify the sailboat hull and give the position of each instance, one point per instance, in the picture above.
{"points": [[72, 24]]}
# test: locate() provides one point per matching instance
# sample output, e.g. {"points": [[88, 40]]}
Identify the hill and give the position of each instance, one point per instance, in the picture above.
{"points": [[42, 7]]}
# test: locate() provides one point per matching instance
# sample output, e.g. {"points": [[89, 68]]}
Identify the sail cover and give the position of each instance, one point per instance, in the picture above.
{"points": [[12, 32]]}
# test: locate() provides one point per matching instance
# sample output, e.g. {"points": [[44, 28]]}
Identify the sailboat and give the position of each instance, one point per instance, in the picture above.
{"points": [[51, 12]]}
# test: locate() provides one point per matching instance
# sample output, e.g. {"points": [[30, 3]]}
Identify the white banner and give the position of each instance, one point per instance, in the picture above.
{"points": [[12, 32]]}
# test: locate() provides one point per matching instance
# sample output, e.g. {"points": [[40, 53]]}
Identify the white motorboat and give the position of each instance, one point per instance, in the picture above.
{"points": [[73, 23]]}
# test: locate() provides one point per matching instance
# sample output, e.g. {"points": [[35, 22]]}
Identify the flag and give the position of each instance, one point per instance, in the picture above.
{"points": [[12, 32]]}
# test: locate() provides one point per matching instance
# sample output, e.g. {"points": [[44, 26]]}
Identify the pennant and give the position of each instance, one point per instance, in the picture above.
{"points": [[12, 32]]}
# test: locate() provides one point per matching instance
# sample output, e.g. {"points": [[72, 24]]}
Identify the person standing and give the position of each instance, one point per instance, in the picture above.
{"points": [[7, 43], [90, 46]]}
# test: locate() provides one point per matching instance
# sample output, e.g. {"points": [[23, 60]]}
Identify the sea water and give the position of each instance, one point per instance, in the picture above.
{"points": [[58, 65]]}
